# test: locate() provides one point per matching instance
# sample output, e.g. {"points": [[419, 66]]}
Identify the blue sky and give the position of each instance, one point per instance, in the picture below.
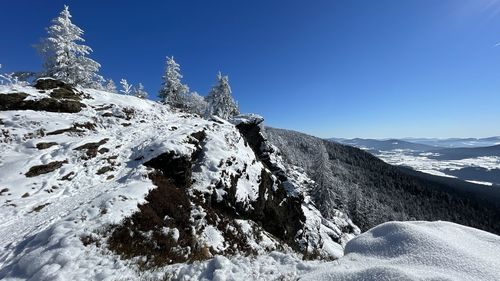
{"points": [[413, 68]]}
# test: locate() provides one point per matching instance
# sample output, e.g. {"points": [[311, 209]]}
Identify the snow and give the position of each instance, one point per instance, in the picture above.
{"points": [[480, 182], [212, 237], [273, 266], [45, 217], [436, 167], [416, 251], [42, 232], [217, 150], [46, 244], [391, 251], [249, 118]]}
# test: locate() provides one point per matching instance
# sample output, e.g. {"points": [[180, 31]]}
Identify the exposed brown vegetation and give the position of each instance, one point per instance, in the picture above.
{"points": [[111, 159], [90, 239], [168, 206], [64, 93], [76, 128], [4, 190], [92, 148], [45, 145], [129, 113], [49, 84], [39, 207], [67, 177], [63, 98], [172, 166], [44, 169], [16, 101], [104, 170]]}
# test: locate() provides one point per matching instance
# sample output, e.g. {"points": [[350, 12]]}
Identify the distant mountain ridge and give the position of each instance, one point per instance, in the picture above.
{"points": [[385, 145], [456, 142], [466, 152], [429, 143]]}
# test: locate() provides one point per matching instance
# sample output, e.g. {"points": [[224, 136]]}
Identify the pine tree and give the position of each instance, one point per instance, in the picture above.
{"points": [[64, 58], [172, 90], [140, 92], [323, 195], [194, 103], [126, 88], [220, 102], [110, 86]]}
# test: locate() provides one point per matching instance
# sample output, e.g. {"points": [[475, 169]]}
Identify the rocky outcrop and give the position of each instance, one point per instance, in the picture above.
{"points": [[62, 98], [250, 126], [181, 222]]}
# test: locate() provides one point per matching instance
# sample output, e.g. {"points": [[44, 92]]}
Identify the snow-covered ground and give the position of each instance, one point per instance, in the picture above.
{"points": [[391, 251], [423, 163], [53, 219], [44, 217], [66, 178]]}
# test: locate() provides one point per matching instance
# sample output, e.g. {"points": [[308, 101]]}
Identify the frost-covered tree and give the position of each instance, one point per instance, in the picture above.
{"points": [[140, 92], [66, 59], [220, 101], [194, 103], [324, 195], [126, 87], [19, 78], [172, 90], [110, 86]]}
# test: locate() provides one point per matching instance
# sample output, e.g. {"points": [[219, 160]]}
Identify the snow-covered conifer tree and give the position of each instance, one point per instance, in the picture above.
{"points": [[140, 92], [64, 58], [194, 103], [324, 195], [172, 90], [220, 101], [126, 88], [110, 86]]}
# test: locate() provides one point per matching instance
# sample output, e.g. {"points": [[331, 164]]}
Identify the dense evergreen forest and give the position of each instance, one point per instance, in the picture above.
{"points": [[373, 192]]}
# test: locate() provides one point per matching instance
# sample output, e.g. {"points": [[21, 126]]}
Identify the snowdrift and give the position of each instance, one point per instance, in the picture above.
{"points": [[417, 251]]}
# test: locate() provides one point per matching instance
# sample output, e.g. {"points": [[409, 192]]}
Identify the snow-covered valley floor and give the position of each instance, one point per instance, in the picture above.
{"points": [[422, 163]]}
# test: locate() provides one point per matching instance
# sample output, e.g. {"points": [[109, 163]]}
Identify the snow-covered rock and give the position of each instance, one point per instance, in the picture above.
{"points": [[115, 185]]}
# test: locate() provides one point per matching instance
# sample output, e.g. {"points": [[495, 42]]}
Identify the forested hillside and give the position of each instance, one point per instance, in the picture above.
{"points": [[373, 192]]}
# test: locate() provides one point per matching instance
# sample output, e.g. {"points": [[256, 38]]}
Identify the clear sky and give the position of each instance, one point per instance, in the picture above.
{"points": [[352, 68]]}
